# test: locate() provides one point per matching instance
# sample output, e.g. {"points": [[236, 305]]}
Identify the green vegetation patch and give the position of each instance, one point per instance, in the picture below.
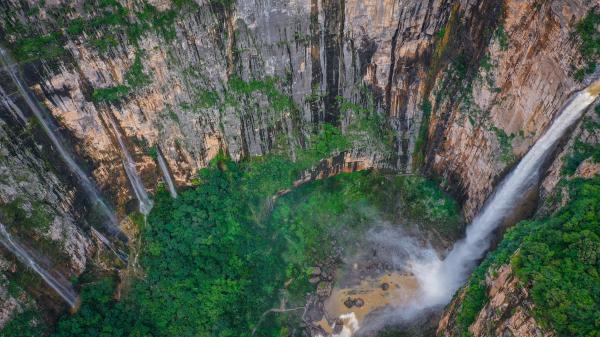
{"points": [[44, 47], [505, 141], [587, 30], [221, 254], [268, 87], [24, 324], [560, 259], [581, 152], [135, 78], [108, 19], [15, 214], [421, 142], [423, 200], [557, 258], [110, 94]]}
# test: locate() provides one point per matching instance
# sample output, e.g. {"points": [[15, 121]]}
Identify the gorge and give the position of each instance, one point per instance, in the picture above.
{"points": [[299, 168]]}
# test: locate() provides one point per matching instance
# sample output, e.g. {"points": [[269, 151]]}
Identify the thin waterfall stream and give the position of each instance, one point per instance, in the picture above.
{"points": [[165, 171], [49, 128], [145, 204], [61, 287]]}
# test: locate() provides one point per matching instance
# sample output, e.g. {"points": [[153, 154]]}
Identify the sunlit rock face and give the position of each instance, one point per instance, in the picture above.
{"points": [[402, 53], [509, 311]]}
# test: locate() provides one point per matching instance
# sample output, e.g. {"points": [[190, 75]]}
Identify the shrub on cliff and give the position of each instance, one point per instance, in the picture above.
{"points": [[558, 259]]}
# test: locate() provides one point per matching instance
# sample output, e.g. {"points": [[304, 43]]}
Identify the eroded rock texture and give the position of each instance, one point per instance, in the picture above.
{"points": [[466, 87], [508, 312]]}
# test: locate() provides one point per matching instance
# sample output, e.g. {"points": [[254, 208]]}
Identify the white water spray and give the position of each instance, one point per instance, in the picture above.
{"points": [[49, 127], [130, 170], [440, 279], [165, 171], [61, 286]]}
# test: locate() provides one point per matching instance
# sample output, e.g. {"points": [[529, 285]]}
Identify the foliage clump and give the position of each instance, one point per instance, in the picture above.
{"points": [[581, 152], [15, 213], [587, 30], [560, 259], [505, 142], [268, 87], [24, 324], [557, 258]]}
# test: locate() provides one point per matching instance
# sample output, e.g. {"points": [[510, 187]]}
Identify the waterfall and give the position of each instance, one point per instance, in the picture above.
{"points": [[49, 128], [118, 252], [11, 106], [130, 170], [165, 171], [61, 286], [439, 280]]}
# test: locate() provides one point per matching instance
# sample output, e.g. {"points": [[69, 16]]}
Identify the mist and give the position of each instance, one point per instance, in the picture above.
{"points": [[439, 278]]}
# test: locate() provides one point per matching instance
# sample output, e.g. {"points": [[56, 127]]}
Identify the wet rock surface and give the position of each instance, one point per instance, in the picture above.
{"points": [[354, 302]]}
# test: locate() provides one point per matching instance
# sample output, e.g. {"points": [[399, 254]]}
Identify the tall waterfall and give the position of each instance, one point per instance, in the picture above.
{"points": [[61, 286], [440, 279], [49, 128], [130, 170], [165, 171]]}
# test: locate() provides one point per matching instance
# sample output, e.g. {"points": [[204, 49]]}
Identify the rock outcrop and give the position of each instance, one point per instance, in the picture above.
{"points": [[508, 312]]}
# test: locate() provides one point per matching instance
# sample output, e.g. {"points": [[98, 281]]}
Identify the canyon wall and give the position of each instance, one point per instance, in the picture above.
{"points": [[508, 312], [465, 87], [490, 75], [219, 75]]}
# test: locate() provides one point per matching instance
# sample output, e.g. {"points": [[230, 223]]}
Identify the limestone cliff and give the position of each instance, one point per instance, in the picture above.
{"points": [[466, 87], [508, 306], [514, 58], [324, 55], [508, 312]]}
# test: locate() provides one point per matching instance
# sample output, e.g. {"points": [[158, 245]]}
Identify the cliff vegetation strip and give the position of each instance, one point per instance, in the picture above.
{"points": [[556, 257]]}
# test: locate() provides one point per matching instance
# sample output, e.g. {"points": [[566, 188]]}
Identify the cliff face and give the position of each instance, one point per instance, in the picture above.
{"points": [[507, 304], [522, 81], [40, 212], [513, 58], [324, 55], [508, 312], [465, 86]]}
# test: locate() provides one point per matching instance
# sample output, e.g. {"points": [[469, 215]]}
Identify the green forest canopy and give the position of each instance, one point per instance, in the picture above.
{"points": [[215, 258]]}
